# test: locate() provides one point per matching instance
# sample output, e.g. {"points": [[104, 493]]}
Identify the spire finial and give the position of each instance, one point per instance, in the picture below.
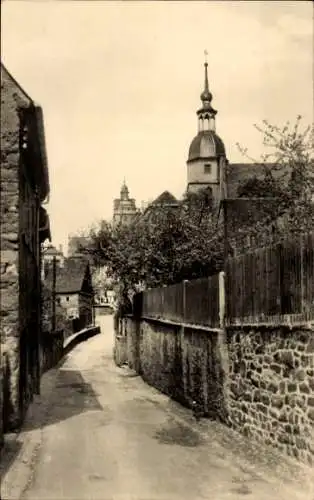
{"points": [[206, 86], [206, 96], [206, 54]]}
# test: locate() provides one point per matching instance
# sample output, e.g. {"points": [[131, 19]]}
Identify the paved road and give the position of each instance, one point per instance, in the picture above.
{"points": [[107, 435]]}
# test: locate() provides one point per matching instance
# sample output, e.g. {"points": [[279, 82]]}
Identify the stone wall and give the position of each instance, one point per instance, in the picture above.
{"points": [[120, 349], [20, 291], [9, 224], [120, 354], [132, 330], [1, 398], [184, 363], [272, 387], [259, 380]]}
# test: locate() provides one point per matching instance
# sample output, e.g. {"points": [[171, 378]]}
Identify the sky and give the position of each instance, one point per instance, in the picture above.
{"points": [[120, 83]]}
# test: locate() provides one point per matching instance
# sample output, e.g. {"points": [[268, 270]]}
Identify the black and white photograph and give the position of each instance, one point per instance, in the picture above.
{"points": [[157, 250]]}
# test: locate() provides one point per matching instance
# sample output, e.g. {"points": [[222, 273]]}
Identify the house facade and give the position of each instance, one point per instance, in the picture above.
{"points": [[24, 227], [73, 291]]}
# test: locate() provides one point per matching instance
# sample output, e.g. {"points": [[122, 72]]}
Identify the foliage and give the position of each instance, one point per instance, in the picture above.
{"points": [[288, 176], [163, 246]]}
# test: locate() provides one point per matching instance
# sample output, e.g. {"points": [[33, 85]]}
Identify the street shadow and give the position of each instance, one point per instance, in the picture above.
{"points": [[175, 433], [9, 452], [69, 397]]}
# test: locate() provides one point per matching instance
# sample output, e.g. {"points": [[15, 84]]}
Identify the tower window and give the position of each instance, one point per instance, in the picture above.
{"points": [[207, 168]]}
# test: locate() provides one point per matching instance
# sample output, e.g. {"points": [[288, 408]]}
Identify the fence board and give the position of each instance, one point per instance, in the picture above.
{"points": [[274, 281], [270, 285]]}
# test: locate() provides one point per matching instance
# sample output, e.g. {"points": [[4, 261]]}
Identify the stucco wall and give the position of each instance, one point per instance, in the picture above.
{"points": [[272, 387], [196, 171], [69, 301]]}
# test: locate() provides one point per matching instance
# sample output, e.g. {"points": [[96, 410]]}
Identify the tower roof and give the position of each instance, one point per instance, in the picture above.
{"points": [[124, 193], [205, 145], [206, 95]]}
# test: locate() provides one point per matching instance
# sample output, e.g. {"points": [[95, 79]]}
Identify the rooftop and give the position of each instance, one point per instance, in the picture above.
{"points": [[70, 277], [206, 144]]}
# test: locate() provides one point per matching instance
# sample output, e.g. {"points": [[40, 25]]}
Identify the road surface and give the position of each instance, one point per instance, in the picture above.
{"points": [[105, 434]]}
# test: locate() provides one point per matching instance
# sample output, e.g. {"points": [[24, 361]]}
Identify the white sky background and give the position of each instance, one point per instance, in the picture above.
{"points": [[120, 82]]}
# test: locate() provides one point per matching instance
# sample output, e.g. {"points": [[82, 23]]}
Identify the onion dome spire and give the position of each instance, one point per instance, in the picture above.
{"points": [[206, 115], [206, 95]]}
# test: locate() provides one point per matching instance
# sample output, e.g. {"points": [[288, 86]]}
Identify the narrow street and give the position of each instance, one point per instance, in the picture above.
{"points": [[105, 434]]}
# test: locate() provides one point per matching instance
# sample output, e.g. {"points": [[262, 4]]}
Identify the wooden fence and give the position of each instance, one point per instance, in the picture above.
{"points": [[193, 302], [274, 284], [270, 285]]}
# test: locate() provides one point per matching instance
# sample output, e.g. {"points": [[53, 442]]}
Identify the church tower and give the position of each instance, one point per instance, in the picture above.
{"points": [[207, 151], [124, 208]]}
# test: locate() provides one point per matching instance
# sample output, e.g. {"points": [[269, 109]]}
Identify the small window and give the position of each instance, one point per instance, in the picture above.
{"points": [[207, 168], [67, 299]]}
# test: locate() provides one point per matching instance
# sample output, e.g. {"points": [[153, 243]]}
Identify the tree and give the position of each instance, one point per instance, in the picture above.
{"points": [[288, 176], [173, 244]]}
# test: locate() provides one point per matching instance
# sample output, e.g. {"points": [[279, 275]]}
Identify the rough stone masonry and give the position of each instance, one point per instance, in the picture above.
{"points": [[271, 384], [258, 380], [10, 102]]}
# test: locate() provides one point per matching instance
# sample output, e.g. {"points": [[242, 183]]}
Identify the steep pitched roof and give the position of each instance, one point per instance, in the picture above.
{"points": [[70, 277], [165, 198], [239, 173]]}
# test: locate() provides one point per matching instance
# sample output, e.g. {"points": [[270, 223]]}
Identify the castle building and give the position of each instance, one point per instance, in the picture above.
{"points": [[207, 155], [124, 208]]}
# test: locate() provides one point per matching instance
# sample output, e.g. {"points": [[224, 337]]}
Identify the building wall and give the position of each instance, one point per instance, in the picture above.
{"points": [[198, 180], [196, 171], [79, 307], [70, 302], [30, 292], [20, 260], [9, 210]]}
